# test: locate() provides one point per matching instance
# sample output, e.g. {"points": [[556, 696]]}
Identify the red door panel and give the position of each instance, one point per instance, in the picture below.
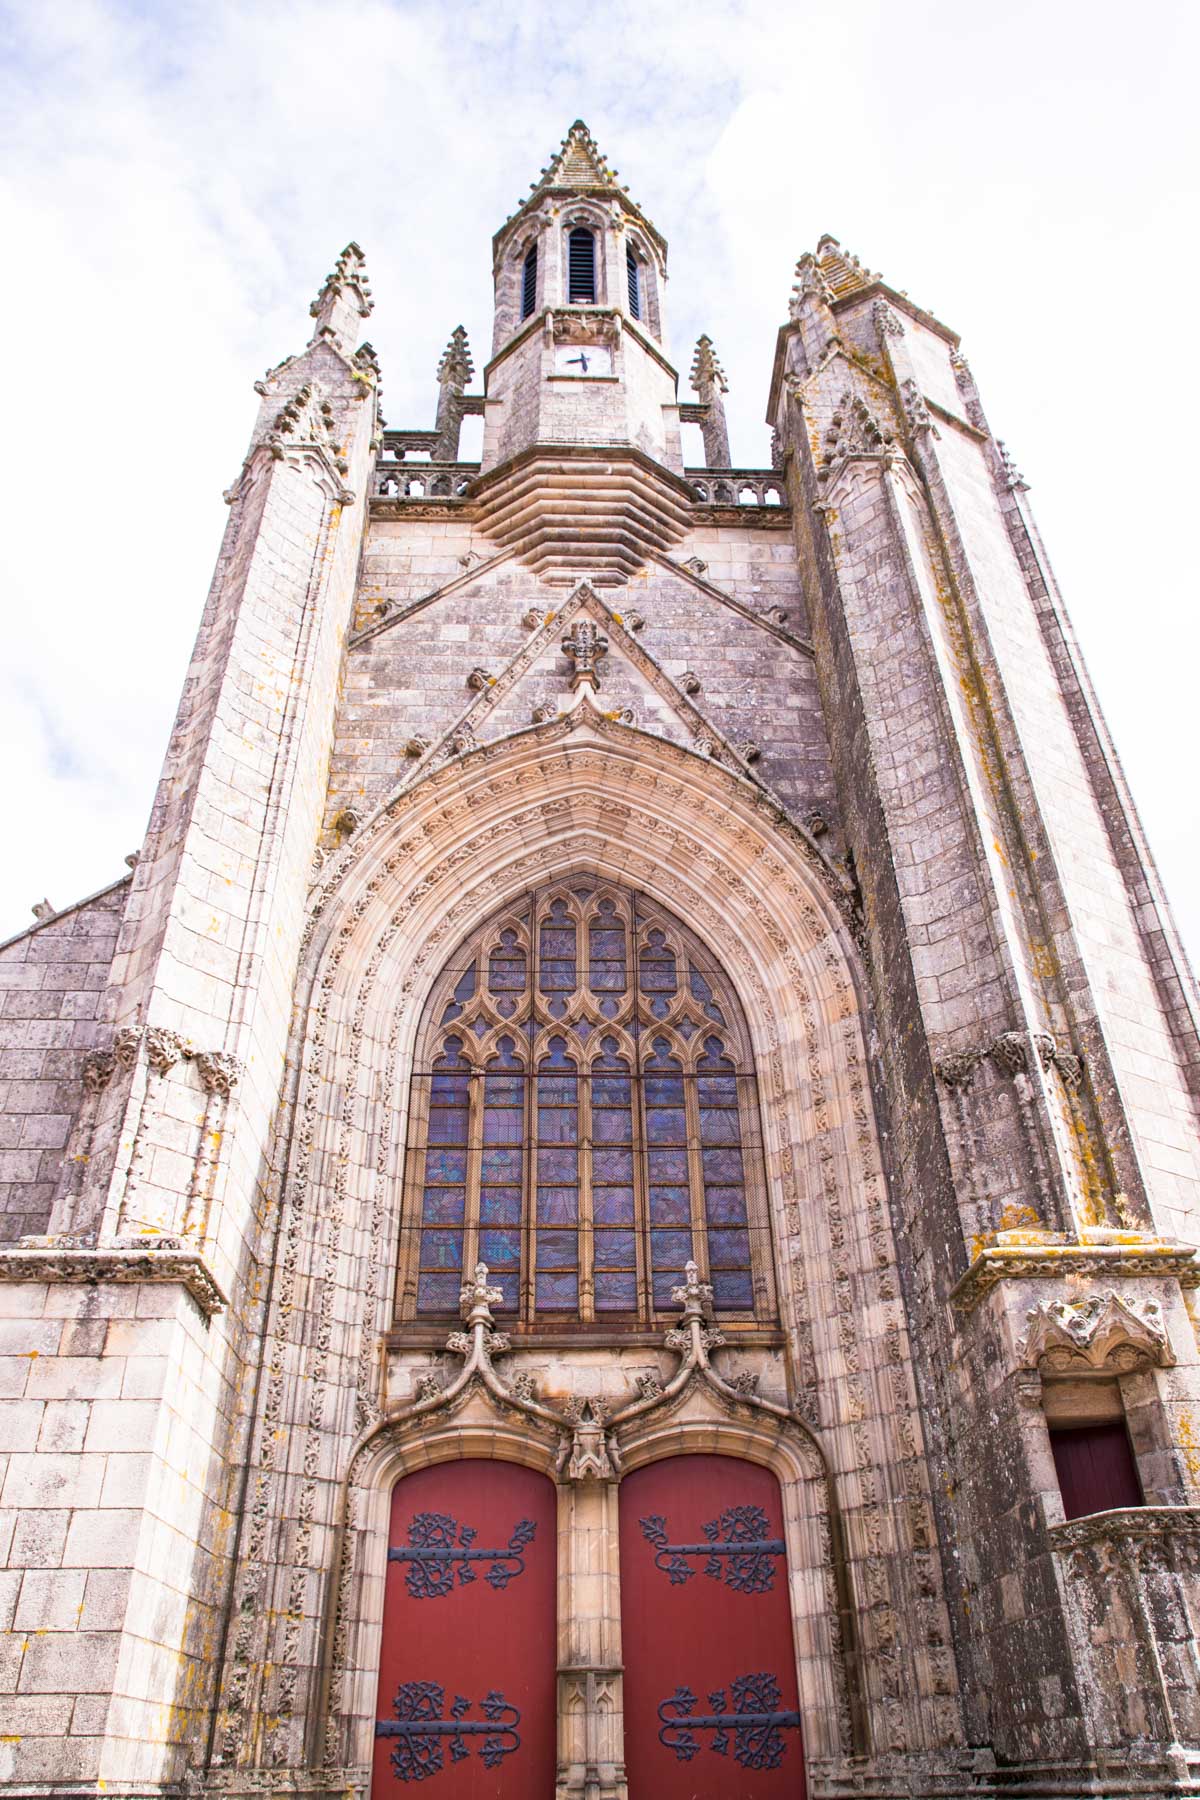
{"points": [[467, 1689], [711, 1705]]}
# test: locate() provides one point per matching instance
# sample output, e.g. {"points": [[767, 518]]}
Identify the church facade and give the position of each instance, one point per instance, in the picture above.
{"points": [[610, 1210]]}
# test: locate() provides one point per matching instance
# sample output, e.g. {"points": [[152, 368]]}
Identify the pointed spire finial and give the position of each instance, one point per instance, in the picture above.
{"points": [[454, 372], [456, 367], [343, 300], [708, 379]]}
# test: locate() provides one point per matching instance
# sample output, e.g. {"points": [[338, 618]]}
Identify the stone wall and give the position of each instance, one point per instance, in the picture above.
{"points": [[52, 982]]}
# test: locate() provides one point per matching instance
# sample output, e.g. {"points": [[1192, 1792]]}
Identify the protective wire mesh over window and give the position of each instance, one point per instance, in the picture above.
{"points": [[584, 1119]]}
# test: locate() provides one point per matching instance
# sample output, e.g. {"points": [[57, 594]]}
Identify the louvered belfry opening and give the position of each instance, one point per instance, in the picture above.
{"points": [[635, 283], [581, 265], [529, 282]]}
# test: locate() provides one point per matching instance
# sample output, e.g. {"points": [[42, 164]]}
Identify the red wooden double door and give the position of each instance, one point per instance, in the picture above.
{"points": [[467, 1681]]}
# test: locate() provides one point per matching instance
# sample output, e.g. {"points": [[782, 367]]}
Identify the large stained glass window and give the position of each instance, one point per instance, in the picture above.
{"points": [[585, 1120]]}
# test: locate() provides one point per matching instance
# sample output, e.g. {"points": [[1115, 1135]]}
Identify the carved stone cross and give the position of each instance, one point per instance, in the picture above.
{"points": [[585, 645]]}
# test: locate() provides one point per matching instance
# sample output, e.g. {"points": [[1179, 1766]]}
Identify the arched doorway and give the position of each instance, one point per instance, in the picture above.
{"points": [[711, 1699], [468, 1659]]}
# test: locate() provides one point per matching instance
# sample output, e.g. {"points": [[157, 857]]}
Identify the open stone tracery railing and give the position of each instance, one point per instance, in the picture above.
{"points": [[737, 487], [1132, 1585], [396, 479]]}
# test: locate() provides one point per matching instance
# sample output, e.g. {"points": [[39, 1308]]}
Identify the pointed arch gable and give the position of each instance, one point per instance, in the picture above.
{"points": [[585, 793]]}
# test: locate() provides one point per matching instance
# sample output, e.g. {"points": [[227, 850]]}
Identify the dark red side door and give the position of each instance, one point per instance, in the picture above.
{"points": [[467, 1689], [711, 1704]]}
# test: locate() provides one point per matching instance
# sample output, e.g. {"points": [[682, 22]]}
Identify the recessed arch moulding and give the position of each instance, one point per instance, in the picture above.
{"points": [[584, 793]]}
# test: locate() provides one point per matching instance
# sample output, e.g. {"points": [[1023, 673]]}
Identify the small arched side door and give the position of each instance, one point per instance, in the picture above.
{"points": [[710, 1694], [467, 1676]]}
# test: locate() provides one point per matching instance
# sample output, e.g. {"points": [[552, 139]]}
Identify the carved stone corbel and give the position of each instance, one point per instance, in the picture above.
{"points": [[1103, 1334]]}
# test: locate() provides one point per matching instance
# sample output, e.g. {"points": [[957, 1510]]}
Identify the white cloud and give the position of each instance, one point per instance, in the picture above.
{"points": [[177, 180]]}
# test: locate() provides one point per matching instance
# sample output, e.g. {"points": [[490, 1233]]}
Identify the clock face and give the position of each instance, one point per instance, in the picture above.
{"points": [[582, 359]]}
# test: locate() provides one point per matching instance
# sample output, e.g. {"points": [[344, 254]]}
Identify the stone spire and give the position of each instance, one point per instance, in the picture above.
{"points": [[454, 372], [708, 380], [343, 301]]}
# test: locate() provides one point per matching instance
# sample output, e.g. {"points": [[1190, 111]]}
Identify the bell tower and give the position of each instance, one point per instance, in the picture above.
{"points": [[578, 371]]}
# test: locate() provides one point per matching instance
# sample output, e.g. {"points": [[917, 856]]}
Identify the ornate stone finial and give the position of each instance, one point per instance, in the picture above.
{"points": [[810, 283], [853, 431], [695, 1296], [343, 300], [592, 1455], [476, 1300], [708, 379], [585, 644], [454, 372], [456, 368]]}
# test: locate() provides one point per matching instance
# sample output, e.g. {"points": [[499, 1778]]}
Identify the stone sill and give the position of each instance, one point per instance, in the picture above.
{"points": [[96, 1266], [1045, 1262], [1125, 1522]]}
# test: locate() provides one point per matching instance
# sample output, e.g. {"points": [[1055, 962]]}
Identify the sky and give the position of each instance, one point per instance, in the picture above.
{"points": [[176, 179]]}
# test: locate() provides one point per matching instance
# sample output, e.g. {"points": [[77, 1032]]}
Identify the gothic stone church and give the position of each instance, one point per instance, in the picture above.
{"points": [[610, 1209]]}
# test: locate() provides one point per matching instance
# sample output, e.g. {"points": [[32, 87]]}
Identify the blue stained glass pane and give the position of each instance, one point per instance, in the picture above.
{"points": [[614, 1206], [717, 1090], [664, 1090], [720, 1125], [558, 1166], [557, 1250], [666, 1125], [606, 959], [557, 1205], [557, 1090], [729, 1249], [667, 1165], [725, 1205], [557, 1293], [670, 1250], [557, 1125], [449, 1090], [732, 1291], [557, 977], [438, 1293], [613, 1167], [506, 966], [445, 1166], [503, 1126], [500, 1249], [670, 1206], [721, 1165], [558, 941], [557, 966], [656, 966], [503, 1090], [509, 1282], [616, 1292], [661, 1284], [448, 1125], [499, 1206], [441, 1249], [444, 1206], [501, 1166], [702, 992], [611, 1127], [615, 1250], [611, 1090]]}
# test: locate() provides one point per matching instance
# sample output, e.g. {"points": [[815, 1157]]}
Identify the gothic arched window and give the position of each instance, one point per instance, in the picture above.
{"points": [[584, 1120], [581, 265], [634, 276], [529, 281]]}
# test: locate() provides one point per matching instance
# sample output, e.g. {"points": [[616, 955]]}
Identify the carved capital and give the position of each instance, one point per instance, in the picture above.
{"points": [[219, 1072], [125, 1045], [163, 1048], [98, 1066]]}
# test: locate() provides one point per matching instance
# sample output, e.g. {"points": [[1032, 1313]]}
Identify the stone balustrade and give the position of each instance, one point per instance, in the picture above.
{"points": [[737, 487]]}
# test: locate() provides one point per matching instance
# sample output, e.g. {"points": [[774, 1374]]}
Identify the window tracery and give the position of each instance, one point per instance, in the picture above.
{"points": [[584, 1120]]}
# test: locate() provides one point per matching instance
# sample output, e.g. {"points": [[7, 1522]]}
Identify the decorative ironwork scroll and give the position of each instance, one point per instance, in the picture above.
{"points": [[738, 1550], [421, 1724], [436, 1542], [755, 1720]]}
